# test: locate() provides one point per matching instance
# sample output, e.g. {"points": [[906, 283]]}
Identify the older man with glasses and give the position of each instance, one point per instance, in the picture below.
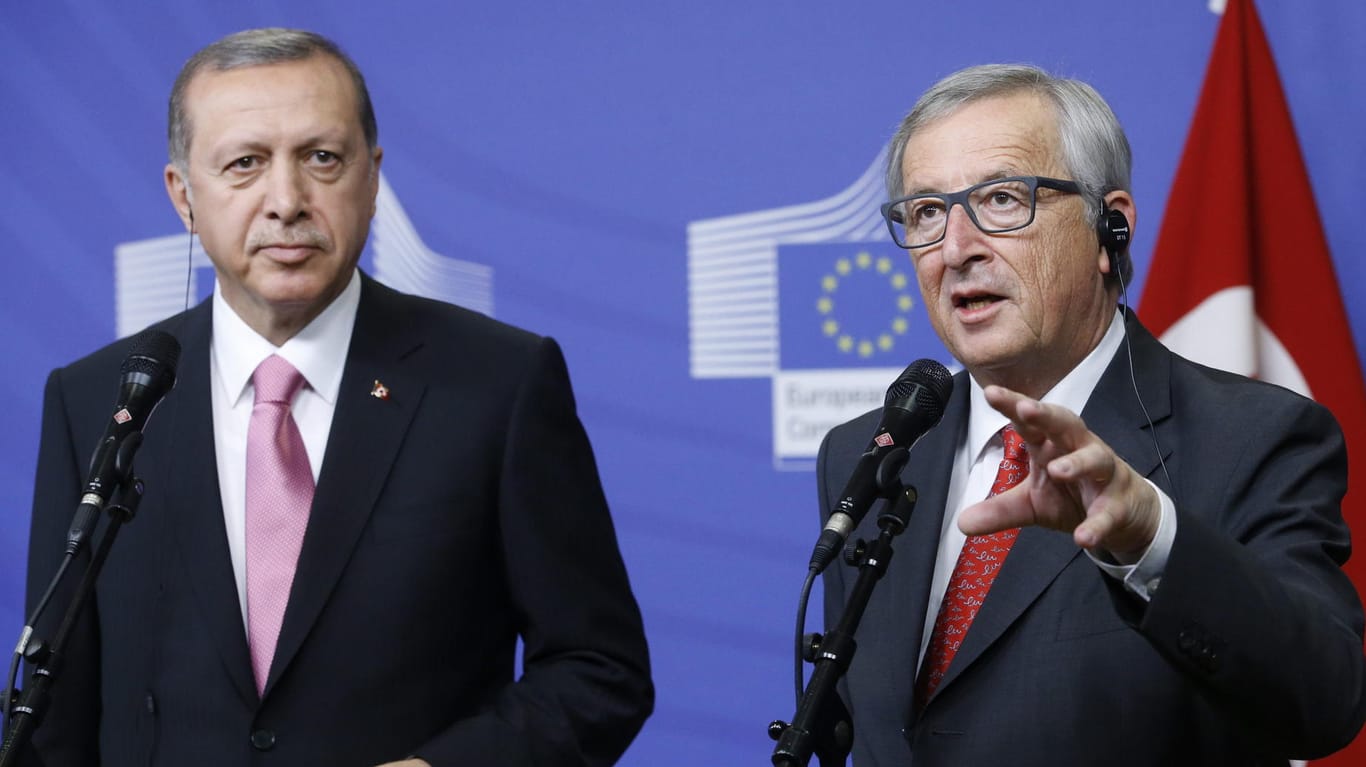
{"points": [[1118, 556]]}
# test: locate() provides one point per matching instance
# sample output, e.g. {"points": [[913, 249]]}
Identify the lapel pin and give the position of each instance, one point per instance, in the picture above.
{"points": [[379, 390]]}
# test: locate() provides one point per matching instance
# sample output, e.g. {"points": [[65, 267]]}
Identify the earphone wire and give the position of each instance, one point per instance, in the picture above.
{"points": [[189, 264], [1133, 379]]}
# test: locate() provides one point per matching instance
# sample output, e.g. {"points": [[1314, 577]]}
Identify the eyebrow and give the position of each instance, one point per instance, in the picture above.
{"points": [[255, 142], [994, 176]]}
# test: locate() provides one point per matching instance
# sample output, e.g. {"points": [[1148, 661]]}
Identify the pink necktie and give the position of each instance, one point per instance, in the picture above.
{"points": [[279, 494], [973, 573]]}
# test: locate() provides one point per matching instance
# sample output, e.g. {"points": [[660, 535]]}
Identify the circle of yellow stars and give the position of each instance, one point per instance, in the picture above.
{"points": [[865, 346]]}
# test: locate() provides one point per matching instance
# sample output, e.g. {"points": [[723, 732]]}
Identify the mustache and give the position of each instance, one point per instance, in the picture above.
{"points": [[292, 239]]}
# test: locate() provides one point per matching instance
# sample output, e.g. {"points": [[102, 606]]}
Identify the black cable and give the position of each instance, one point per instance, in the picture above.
{"points": [[801, 631], [189, 265], [1133, 382], [25, 637]]}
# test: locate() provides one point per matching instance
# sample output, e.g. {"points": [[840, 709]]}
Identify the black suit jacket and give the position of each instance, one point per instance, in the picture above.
{"points": [[456, 516], [1249, 653]]}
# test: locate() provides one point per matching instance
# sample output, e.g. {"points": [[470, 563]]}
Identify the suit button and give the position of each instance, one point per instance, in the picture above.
{"points": [[1209, 659], [262, 740]]}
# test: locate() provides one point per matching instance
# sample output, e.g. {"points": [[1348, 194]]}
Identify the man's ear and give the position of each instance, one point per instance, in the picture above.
{"points": [[1115, 228], [178, 189]]}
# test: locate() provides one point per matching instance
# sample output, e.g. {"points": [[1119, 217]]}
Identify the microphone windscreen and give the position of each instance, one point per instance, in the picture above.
{"points": [[155, 354], [930, 383]]}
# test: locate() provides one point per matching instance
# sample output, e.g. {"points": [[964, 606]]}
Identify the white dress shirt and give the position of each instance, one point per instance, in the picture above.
{"points": [[979, 456], [318, 352]]}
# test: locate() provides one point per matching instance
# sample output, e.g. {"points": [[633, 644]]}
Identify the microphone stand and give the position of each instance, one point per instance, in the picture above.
{"points": [[48, 658], [822, 723]]}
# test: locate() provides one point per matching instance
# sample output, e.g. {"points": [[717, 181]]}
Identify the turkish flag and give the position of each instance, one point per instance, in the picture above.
{"points": [[1241, 278]]}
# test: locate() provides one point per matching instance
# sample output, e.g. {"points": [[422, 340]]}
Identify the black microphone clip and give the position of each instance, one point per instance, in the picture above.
{"points": [[146, 376], [914, 404]]}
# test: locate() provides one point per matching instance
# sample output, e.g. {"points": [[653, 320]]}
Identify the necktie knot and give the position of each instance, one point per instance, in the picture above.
{"points": [[276, 380], [1014, 462], [1015, 449]]}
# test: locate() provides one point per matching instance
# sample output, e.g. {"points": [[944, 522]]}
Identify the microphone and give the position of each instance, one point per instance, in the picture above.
{"points": [[147, 374], [915, 402]]}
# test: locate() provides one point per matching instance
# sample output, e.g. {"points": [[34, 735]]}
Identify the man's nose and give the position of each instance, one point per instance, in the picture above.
{"points": [[962, 239], [286, 192]]}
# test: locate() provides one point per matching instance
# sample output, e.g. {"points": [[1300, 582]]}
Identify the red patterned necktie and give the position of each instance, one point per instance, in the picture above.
{"points": [[976, 568], [279, 495]]}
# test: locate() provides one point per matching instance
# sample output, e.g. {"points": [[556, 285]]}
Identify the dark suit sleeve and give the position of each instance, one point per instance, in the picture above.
{"points": [[585, 689], [68, 732], [1253, 606]]}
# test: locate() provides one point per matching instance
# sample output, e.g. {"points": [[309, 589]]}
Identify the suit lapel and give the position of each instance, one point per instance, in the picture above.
{"points": [[1039, 555], [898, 611], [365, 437], [1033, 563], [193, 503], [929, 473], [1115, 412]]}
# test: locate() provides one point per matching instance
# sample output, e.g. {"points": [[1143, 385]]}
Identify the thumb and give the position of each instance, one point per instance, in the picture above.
{"points": [[1005, 511]]}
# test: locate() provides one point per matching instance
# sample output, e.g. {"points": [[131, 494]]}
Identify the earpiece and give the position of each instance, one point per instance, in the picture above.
{"points": [[1113, 231]]}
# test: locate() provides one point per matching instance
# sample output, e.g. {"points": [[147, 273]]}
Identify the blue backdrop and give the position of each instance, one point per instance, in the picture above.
{"points": [[611, 173]]}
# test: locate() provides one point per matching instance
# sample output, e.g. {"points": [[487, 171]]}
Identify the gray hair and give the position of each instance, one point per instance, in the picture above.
{"points": [[1094, 149], [258, 47]]}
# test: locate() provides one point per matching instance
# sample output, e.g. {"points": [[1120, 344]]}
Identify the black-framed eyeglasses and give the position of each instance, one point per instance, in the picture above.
{"points": [[996, 206]]}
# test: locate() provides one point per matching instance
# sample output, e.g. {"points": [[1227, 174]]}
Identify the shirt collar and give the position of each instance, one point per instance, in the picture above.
{"points": [[318, 351], [1071, 392]]}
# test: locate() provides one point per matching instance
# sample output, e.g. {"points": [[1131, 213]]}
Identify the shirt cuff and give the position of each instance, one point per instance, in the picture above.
{"points": [[1144, 576]]}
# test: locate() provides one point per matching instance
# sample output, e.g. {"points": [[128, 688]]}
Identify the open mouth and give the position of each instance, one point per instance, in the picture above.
{"points": [[976, 301]]}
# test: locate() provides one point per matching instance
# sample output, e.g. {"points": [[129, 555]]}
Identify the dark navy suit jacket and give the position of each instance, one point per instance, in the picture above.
{"points": [[1249, 653], [456, 516]]}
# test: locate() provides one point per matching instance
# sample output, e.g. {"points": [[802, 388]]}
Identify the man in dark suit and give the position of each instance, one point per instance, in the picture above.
{"points": [[1155, 581], [457, 508]]}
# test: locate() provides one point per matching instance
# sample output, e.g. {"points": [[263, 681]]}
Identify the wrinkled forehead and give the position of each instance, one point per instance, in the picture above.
{"points": [[316, 84], [314, 76], [993, 137]]}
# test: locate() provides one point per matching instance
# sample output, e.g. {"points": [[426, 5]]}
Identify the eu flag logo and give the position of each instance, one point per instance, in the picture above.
{"points": [[849, 304]]}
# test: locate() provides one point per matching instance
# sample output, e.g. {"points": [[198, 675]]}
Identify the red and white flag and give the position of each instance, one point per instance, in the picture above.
{"points": [[1241, 277]]}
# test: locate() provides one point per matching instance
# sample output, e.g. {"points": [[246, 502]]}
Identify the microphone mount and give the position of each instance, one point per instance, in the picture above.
{"points": [[45, 658], [822, 724]]}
